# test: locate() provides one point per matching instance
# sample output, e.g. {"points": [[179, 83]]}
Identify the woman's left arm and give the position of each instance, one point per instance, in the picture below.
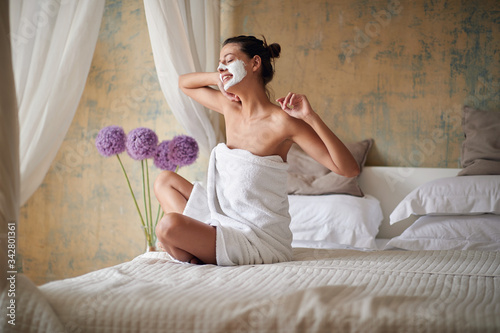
{"points": [[316, 139]]}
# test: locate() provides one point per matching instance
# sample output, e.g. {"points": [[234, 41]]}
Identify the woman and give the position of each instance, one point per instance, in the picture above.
{"points": [[260, 132]]}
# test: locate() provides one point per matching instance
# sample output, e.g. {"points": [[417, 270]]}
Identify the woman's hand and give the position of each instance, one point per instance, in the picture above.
{"points": [[296, 105], [231, 97]]}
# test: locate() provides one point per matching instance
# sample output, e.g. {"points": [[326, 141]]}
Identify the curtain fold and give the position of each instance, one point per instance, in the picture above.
{"points": [[9, 149], [185, 38], [52, 47]]}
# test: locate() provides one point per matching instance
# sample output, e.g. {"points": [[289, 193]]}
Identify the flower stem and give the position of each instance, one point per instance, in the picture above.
{"points": [[151, 230], [145, 202], [133, 196], [158, 215]]}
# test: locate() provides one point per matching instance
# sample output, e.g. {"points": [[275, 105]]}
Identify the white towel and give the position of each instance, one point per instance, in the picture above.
{"points": [[246, 200]]}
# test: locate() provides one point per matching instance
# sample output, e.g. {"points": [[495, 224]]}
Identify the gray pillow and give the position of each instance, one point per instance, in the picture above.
{"points": [[481, 147], [308, 177]]}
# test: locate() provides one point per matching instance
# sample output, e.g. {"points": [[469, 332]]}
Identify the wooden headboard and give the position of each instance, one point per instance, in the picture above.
{"points": [[390, 185]]}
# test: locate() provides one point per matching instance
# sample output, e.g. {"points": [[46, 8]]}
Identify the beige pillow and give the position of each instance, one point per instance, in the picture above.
{"points": [[308, 177], [481, 147]]}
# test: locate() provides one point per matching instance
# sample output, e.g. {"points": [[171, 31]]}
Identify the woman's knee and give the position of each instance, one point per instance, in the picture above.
{"points": [[169, 226], [163, 180]]}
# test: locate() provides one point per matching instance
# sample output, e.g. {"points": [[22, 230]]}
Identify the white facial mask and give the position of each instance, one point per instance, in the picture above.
{"points": [[237, 69]]}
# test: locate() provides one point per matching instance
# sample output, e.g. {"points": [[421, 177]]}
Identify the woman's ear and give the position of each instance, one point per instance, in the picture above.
{"points": [[256, 63]]}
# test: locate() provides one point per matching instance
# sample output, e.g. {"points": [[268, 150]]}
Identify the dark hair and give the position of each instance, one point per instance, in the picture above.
{"points": [[253, 46]]}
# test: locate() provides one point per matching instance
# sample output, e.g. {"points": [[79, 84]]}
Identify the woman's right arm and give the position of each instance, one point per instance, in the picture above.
{"points": [[197, 86]]}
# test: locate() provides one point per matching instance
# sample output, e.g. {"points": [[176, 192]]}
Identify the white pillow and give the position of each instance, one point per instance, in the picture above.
{"points": [[451, 196], [459, 232], [335, 219]]}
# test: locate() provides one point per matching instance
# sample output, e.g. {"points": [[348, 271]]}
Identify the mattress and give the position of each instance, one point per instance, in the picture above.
{"points": [[321, 290]]}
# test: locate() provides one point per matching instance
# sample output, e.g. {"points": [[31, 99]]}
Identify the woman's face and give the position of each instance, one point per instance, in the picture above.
{"points": [[231, 66]]}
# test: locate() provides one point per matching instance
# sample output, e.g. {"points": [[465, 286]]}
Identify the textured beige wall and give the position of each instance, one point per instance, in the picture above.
{"points": [[82, 217], [396, 71], [401, 79]]}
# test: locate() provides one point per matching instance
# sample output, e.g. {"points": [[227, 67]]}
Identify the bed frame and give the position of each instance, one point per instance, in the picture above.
{"points": [[390, 185]]}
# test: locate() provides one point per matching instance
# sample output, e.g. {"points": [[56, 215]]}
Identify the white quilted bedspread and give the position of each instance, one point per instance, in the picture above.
{"points": [[321, 291]]}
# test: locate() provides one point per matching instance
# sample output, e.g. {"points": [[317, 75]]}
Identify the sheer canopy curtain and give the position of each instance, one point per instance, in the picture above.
{"points": [[53, 42], [185, 38], [9, 149]]}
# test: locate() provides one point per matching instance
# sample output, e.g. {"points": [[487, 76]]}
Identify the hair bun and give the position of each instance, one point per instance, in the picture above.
{"points": [[274, 50]]}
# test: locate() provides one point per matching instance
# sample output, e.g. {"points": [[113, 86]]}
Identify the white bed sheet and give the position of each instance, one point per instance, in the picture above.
{"points": [[320, 291], [380, 244]]}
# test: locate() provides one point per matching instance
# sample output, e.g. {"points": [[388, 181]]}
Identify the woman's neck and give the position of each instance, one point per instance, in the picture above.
{"points": [[253, 101]]}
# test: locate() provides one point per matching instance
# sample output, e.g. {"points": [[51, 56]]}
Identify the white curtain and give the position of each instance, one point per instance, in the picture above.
{"points": [[53, 42], [9, 149], [185, 38]]}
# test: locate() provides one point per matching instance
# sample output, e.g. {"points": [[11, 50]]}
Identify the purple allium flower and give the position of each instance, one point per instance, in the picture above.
{"points": [[162, 159], [110, 141], [141, 143], [183, 150]]}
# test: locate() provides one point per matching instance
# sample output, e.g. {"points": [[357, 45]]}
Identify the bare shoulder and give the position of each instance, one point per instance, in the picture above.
{"points": [[291, 126], [280, 116]]}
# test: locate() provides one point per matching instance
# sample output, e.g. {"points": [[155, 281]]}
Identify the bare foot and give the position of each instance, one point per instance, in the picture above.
{"points": [[196, 261]]}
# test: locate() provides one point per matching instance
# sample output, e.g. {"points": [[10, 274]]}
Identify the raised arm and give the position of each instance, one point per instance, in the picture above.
{"points": [[197, 86], [316, 139]]}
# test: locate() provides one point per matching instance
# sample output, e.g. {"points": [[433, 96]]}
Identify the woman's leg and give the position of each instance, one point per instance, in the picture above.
{"points": [[172, 191], [187, 239]]}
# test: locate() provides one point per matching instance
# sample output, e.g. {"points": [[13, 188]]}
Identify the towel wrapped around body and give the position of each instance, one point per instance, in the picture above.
{"points": [[246, 200]]}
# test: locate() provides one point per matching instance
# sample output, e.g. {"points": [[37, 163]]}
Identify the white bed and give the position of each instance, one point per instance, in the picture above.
{"points": [[338, 288]]}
